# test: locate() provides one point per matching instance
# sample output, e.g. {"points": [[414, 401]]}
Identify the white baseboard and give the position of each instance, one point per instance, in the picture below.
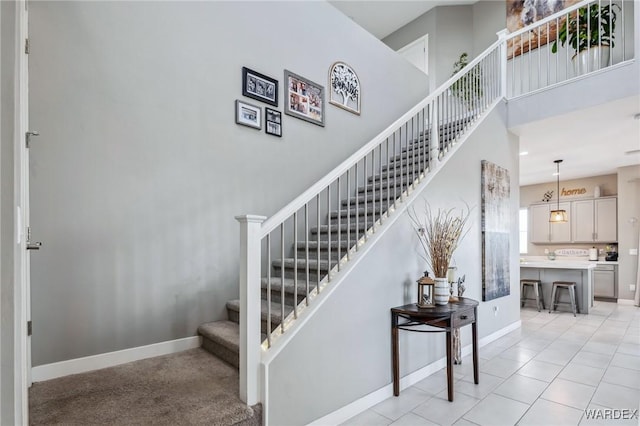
{"points": [[375, 397], [110, 359], [626, 302]]}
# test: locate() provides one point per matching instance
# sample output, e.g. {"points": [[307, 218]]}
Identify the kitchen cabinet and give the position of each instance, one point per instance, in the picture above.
{"points": [[604, 282], [606, 220], [542, 231], [594, 221]]}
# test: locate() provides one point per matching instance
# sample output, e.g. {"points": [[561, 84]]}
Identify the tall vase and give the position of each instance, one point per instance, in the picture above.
{"points": [[441, 291], [592, 59]]}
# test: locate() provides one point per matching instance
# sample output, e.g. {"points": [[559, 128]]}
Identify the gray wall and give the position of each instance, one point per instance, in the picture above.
{"points": [[140, 167], [489, 17], [450, 34], [344, 351], [628, 207], [452, 30], [7, 75]]}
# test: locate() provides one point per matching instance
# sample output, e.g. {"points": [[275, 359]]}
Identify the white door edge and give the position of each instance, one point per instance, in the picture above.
{"points": [[22, 359]]}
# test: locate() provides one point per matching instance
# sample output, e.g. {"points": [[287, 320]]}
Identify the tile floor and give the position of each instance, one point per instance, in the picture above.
{"points": [[546, 373]]}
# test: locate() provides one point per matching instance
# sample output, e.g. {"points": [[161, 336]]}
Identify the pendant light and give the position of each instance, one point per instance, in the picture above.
{"points": [[558, 216]]}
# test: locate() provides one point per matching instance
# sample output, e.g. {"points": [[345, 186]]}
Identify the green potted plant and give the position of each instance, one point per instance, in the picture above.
{"points": [[469, 87], [590, 31]]}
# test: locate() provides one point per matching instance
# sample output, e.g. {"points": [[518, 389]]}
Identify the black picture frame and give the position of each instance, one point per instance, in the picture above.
{"points": [[273, 122], [259, 87], [303, 99]]}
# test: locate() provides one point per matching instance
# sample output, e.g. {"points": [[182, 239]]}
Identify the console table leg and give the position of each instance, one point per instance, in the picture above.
{"points": [[396, 366], [449, 365], [474, 332]]}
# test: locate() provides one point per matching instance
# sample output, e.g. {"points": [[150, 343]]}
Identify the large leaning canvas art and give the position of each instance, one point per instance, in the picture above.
{"points": [[496, 228], [521, 13]]}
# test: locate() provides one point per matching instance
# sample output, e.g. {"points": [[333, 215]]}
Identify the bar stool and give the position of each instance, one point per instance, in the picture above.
{"points": [[537, 289], [566, 285]]}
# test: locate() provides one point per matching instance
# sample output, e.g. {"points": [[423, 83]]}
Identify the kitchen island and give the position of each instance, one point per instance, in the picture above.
{"points": [[548, 271]]}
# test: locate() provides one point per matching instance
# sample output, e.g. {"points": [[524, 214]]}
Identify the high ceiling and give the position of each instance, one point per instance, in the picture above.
{"points": [[591, 142], [381, 17]]}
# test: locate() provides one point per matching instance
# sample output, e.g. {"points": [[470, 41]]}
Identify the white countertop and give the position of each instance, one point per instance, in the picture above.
{"points": [[559, 264], [562, 262]]}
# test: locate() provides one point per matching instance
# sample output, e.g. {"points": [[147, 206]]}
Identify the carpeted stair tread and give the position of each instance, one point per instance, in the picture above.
{"points": [[384, 185], [360, 200], [344, 213], [395, 172], [324, 245], [289, 285], [289, 263], [343, 228], [276, 317], [225, 333]]}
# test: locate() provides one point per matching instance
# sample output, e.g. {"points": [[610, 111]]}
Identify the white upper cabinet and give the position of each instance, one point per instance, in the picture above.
{"points": [[590, 221], [544, 232], [595, 221], [582, 221], [606, 220]]}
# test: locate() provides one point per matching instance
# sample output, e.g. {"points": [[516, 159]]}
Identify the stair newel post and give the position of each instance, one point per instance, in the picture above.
{"points": [[250, 351], [502, 36]]}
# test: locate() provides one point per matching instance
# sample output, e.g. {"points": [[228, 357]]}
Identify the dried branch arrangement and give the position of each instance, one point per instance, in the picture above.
{"points": [[439, 235]]}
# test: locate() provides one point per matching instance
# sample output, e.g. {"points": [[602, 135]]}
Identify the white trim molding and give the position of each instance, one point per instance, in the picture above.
{"points": [[375, 397], [628, 302], [111, 359]]}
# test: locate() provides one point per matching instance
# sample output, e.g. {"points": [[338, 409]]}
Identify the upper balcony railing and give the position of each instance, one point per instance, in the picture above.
{"points": [[579, 40]]}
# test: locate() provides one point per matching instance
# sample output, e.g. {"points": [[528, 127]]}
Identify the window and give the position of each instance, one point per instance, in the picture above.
{"points": [[523, 230]]}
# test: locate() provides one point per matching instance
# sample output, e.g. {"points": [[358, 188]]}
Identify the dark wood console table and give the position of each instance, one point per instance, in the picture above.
{"points": [[442, 318]]}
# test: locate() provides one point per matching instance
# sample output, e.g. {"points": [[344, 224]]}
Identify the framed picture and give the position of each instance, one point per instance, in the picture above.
{"points": [[259, 87], [522, 13], [273, 122], [496, 230], [304, 99], [344, 87], [248, 115]]}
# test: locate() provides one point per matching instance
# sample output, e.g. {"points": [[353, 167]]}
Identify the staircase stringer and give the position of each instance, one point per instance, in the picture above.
{"points": [[305, 312]]}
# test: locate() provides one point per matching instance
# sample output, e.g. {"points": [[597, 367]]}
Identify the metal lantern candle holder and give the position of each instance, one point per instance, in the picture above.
{"points": [[426, 292]]}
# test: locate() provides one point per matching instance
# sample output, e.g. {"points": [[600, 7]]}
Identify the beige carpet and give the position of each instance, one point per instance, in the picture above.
{"points": [[190, 387]]}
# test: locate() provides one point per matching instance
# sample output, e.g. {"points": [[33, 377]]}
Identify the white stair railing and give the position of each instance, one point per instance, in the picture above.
{"points": [[301, 249], [579, 40], [304, 246]]}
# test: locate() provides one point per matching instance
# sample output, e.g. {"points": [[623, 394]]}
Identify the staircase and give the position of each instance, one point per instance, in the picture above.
{"points": [[286, 287], [297, 254]]}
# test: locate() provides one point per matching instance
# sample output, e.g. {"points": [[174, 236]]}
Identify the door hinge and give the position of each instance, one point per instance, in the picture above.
{"points": [[26, 46], [28, 135], [29, 328]]}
